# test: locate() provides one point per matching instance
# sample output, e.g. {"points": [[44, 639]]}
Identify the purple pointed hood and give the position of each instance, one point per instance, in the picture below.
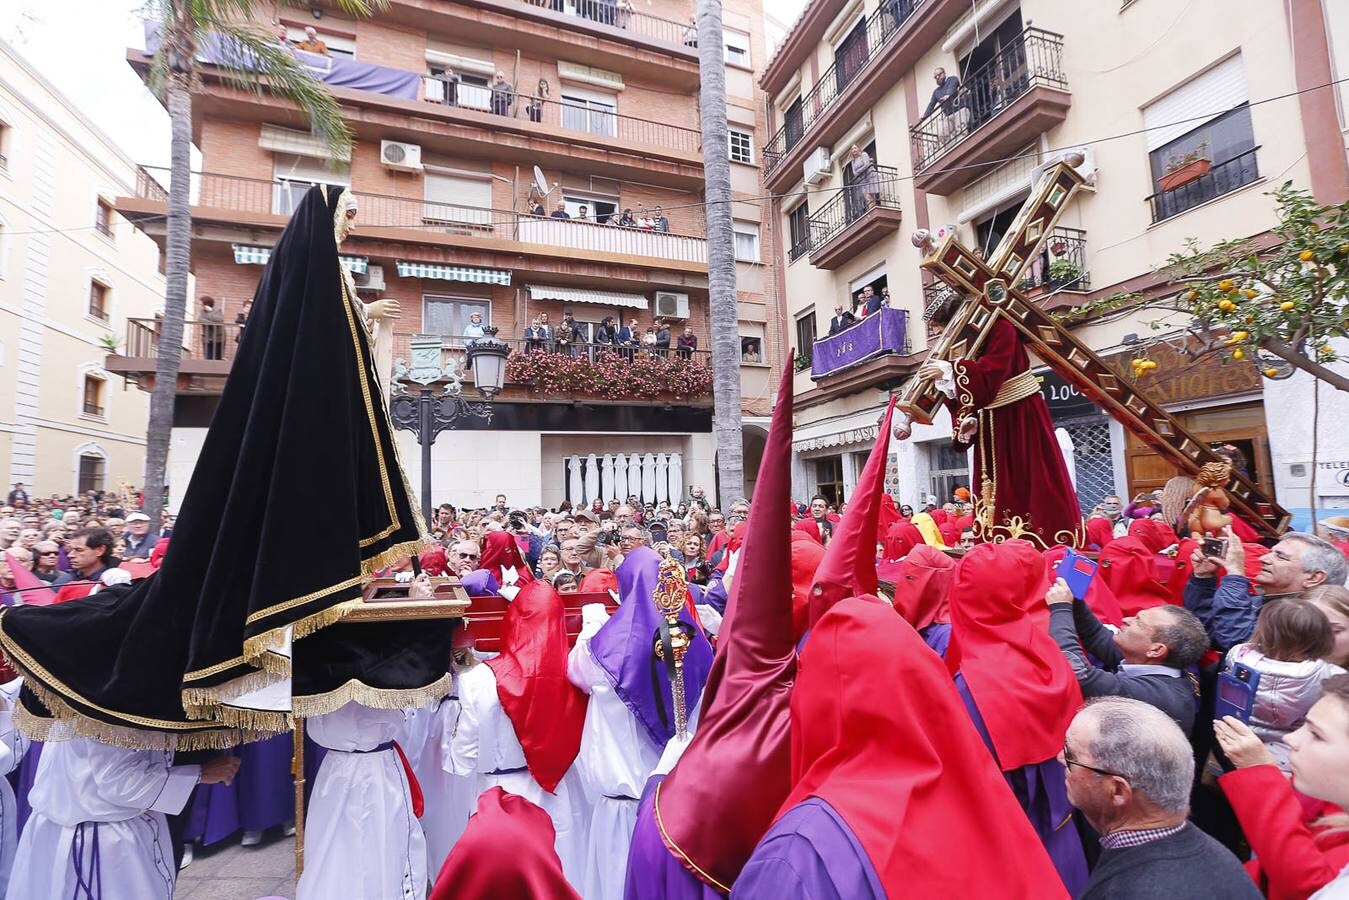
{"points": [[625, 649], [480, 583]]}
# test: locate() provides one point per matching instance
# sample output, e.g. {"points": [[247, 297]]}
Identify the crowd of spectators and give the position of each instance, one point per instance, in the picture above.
{"points": [[866, 302], [644, 219], [569, 337]]}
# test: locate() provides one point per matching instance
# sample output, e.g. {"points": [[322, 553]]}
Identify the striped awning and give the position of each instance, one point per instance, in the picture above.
{"points": [[408, 269], [245, 255], [584, 295]]}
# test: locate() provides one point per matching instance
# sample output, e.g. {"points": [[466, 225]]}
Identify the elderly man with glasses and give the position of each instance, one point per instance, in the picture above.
{"points": [[1129, 771], [464, 556]]}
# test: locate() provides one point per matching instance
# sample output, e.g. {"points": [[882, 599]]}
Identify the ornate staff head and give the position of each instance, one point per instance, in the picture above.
{"points": [[673, 638]]}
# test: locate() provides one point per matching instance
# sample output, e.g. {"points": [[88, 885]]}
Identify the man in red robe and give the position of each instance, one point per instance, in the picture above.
{"points": [[1022, 488]]}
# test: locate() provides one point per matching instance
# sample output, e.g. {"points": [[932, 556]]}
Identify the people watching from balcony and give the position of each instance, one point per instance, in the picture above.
{"points": [[842, 319], [865, 178], [560, 212], [659, 222], [474, 328], [625, 11], [662, 337], [885, 297], [945, 96], [691, 33], [241, 320], [568, 335], [212, 322], [583, 214], [649, 339], [686, 343], [503, 94], [281, 35], [535, 336], [451, 80], [536, 209], [626, 219], [629, 338], [868, 302], [645, 220], [312, 43], [536, 102], [749, 351], [607, 333], [899, 10]]}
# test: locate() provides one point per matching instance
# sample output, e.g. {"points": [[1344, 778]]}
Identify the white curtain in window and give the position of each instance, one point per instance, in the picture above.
{"points": [[607, 468], [649, 478], [621, 478], [662, 477], [676, 478], [592, 478], [575, 486]]}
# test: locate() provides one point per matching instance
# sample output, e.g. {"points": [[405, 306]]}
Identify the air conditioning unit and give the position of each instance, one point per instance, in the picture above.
{"points": [[817, 166], [1087, 170], [670, 305], [371, 280], [400, 157]]}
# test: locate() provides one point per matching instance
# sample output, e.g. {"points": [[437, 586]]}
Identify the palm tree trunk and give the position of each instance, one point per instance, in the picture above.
{"points": [[726, 427], [178, 251]]}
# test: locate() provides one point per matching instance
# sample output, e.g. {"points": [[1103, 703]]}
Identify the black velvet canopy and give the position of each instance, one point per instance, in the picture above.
{"points": [[297, 496]]}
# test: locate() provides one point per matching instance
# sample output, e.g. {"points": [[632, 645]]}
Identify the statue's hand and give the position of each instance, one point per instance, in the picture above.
{"points": [[387, 308], [967, 428]]}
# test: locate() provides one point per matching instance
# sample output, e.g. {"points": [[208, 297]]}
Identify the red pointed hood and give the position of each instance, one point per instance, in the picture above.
{"points": [[505, 853], [500, 549], [546, 709], [743, 736], [598, 581], [849, 566], [905, 768], [923, 586], [902, 537], [806, 558], [1020, 680], [1129, 566], [1099, 532]]}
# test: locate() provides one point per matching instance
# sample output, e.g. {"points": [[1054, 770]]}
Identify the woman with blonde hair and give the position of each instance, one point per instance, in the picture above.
{"points": [[1175, 496], [1333, 600]]}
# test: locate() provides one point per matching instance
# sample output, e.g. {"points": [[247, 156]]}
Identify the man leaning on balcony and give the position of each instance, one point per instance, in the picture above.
{"points": [[948, 86], [842, 319], [503, 93]]}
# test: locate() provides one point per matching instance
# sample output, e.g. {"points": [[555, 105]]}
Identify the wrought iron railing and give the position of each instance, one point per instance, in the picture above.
{"points": [[455, 344], [93, 408], [1033, 59], [852, 202], [849, 60], [593, 118], [622, 15], [800, 248], [201, 340], [1223, 178], [1062, 265], [281, 197]]}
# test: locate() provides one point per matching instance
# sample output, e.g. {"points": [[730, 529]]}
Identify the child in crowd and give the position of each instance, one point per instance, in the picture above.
{"points": [[1289, 646]]}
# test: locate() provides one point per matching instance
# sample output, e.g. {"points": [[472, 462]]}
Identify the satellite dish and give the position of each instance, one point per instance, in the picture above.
{"points": [[540, 183]]}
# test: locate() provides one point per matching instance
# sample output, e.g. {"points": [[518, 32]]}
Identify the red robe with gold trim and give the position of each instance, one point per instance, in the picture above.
{"points": [[1021, 485]]}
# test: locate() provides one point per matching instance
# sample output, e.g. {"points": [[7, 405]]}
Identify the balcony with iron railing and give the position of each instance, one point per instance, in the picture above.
{"points": [[1222, 178], [875, 352], [260, 202], [623, 17], [859, 215], [597, 121], [866, 64], [1061, 265], [999, 108]]}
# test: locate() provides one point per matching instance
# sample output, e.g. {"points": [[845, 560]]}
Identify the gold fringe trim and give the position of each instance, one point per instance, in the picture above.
{"points": [[396, 552], [207, 702], [68, 724], [376, 698]]}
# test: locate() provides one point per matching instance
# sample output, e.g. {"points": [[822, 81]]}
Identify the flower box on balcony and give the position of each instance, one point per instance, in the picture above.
{"points": [[1178, 178]]}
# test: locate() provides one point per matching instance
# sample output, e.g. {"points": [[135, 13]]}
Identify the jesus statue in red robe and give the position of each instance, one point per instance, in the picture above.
{"points": [[1021, 483]]}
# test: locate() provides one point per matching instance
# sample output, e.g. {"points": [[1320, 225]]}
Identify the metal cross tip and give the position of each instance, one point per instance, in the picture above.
{"points": [[922, 239]]}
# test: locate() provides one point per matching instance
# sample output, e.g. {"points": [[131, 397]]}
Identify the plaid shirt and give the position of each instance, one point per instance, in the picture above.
{"points": [[1119, 840]]}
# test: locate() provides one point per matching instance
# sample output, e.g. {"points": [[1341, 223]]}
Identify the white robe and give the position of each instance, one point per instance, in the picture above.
{"points": [[90, 797], [12, 748], [486, 748], [615, 760], [362, 841], [448, 798]]}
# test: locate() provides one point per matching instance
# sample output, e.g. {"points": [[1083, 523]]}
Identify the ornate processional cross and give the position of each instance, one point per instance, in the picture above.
{"points": [[989, 292]]}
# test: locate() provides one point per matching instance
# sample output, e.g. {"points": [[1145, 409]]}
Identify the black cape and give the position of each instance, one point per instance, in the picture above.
{"points": [[297, 496]]}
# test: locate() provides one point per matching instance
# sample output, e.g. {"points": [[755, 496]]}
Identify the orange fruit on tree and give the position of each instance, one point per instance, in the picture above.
{"points": [[1238, 354], [1251, 294], [1271, 372], [1287, 305], [1226, 285], [1306, 256]]}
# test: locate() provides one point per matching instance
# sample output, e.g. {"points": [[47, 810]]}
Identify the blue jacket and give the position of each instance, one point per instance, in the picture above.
{"points": [[1226, 607]]}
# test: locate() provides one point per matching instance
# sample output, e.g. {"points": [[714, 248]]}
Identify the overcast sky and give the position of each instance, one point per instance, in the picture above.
{"points": [[80, 46]]}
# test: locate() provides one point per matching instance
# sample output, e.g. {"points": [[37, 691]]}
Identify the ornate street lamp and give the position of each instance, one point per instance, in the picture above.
{"points": [[428, 413]]}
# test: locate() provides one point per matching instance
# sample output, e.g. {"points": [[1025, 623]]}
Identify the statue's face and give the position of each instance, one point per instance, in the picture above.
{"points": [[344, 218]]}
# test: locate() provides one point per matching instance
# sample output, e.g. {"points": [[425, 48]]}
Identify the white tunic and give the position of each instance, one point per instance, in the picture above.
{"points": [[448, 798], [98, 821], [362, 840], [615, 760], [486, 748], [12, 748]]}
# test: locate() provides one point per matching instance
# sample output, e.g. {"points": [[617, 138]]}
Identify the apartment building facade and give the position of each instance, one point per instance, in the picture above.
{"points": [[1129, 85], [72, 272], [466, 114]]}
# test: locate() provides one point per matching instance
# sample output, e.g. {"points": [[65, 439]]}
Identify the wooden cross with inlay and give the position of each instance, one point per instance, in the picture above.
{"points": [[990, 292]]}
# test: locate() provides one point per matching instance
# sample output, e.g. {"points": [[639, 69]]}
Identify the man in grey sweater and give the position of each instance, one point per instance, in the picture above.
{"points": [[1129, 771], [1145, 660]]}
